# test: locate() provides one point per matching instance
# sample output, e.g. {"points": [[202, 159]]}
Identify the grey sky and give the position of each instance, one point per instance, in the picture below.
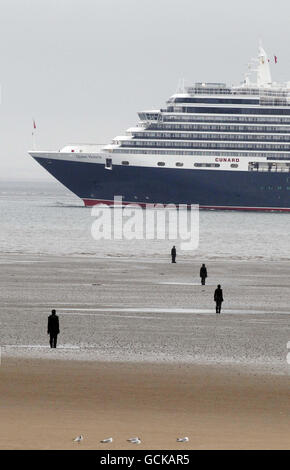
{"points": [[83, 68]]}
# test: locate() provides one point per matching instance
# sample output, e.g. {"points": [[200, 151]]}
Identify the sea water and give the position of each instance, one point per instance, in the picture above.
{"points": [[43, 217]]}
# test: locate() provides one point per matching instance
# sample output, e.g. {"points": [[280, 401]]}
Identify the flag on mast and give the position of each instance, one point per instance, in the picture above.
{"points": [[33, 134]]}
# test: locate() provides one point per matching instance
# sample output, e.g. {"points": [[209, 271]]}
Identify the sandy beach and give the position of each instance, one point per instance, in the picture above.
{"points": [[142, 352], [44, 404]]}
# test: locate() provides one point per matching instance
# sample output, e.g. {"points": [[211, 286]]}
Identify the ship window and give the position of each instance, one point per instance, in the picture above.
{"points": [[234, 165], [207, 165], [125, 163], [161, 164], [179, 164]]}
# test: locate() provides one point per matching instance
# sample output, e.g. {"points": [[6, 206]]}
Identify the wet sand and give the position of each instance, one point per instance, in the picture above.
{"points": [[141, 352], [146, 310]]}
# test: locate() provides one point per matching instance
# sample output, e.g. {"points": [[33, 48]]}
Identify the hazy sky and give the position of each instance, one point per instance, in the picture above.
{"points": [[83, 68]]}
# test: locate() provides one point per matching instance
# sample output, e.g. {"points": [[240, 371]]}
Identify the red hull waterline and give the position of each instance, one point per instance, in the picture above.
{"points": [[93, 202]]}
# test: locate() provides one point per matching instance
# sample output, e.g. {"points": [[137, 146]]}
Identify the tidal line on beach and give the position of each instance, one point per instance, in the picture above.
{"points": [[112, 316], [66, 311]]}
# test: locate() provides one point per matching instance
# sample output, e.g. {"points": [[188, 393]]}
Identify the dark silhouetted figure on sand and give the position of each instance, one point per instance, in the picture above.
{"points": [[53, 328], [218, 298], [203, 274], [173, 254]]}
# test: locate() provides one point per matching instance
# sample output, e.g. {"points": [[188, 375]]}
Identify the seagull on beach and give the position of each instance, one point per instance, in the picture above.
{"points": [[182, 439], [134, 440], [106, 441], [79, 438]]}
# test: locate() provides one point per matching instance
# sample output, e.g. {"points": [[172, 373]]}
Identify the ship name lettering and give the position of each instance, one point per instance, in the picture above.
{"points": [[227, 159]]}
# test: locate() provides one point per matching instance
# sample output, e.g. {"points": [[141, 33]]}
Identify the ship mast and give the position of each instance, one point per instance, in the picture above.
{"points": [[261, 66], [263, 69]]}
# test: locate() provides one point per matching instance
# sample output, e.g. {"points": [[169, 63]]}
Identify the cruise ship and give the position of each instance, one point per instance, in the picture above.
{"points": [[218, 146]]}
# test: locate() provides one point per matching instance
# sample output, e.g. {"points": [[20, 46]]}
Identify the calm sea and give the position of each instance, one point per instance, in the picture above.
{"points": [[45, 218]]}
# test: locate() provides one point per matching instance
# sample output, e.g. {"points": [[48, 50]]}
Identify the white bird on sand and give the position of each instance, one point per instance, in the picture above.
{"points": [[134, 440], [182, 439], [79, 438], [106, 441]]}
